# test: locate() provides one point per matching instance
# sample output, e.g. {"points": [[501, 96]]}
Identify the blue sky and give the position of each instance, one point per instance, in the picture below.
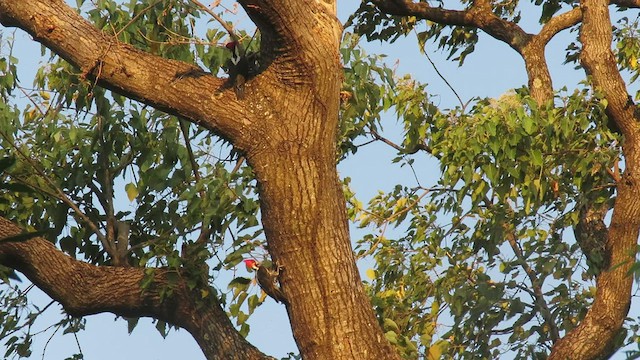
{"points": [[490, 71]]}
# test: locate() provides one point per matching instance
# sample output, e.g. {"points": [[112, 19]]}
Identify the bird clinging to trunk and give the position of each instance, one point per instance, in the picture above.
{"points": [[267, 277]]}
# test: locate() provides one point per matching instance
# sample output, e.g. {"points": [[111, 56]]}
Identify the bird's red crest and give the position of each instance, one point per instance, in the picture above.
{"points": [[231, 45], [251, 264]]}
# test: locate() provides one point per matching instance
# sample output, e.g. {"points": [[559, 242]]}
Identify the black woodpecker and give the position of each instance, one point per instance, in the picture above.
{"points": [[267, 277], [238, 68], [591, 236]]}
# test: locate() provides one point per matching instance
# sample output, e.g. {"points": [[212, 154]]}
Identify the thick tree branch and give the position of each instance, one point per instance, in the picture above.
{"points": [[287, 130], [296, 57], [595, 335], [600, 63], [480, 15], [172, 86], [627, 3], [425, 11], [559, 23], [85, 289], [273, 16]]}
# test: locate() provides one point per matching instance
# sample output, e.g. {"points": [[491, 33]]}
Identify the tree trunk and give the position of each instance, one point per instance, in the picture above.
{"points": [[286, 125], [305, 221], [304, 216], [595, 335], [84, 289]]}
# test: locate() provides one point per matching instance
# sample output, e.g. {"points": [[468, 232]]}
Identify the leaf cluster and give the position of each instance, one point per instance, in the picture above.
{"points": [[512, 174], [91, 158]]}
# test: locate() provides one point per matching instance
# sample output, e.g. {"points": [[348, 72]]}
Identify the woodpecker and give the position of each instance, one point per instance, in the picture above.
{"points": [[238, 68], [267, 277], [121, 243], [591, 236]]}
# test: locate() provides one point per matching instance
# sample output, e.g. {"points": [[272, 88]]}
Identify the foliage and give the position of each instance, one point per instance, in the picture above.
{"points": [[457, 264], [91, 158], [628, 47], [479, 263], [459, 41], [512, 174]]}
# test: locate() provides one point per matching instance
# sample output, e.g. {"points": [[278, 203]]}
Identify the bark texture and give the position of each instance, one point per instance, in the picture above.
{"points": [[594, 337], [286, 126], [84, 289], [480, 15]]}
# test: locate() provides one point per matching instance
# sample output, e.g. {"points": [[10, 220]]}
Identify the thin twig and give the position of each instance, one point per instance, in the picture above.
{"points": [[409, 207], [238, 165], [192, 160], [75, 335], [205, 230], [388, 220], [540, 302], [44, 350], [420, 146], [462, 104], [32, 101], [103, 159], [536, 283], [133, 19], [59, 194], [223, 23], [422, 50], [30, 320]]}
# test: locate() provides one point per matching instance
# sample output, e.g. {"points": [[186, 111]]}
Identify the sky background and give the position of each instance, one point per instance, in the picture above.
{"points": [[490, 71]]}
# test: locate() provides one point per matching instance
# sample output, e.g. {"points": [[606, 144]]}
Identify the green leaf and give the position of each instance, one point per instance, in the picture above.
{"points": [[371, 274], [16, 187], [392, 337], [536, 157], [528, 125], [131, 324], [241, 282], [161, 326], [436, 350], [131, 190], [391, 325], [6, 162]]}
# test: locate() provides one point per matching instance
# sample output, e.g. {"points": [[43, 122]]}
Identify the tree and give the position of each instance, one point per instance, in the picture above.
{"points": [[516, 172]]}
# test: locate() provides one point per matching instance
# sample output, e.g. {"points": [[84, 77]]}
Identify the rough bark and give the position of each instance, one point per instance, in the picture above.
{"points": [[84, 289], [594, 336], [200, 97], [286, 126], [480, 15]]}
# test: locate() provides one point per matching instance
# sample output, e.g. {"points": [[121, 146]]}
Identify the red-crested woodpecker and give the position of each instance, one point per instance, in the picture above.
{"points": [[267, 277]]}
